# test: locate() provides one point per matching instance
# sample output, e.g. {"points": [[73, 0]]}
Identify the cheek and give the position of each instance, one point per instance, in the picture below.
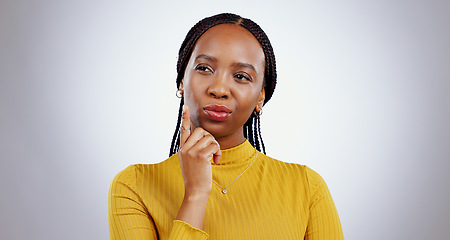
{"points": [[193, 108], [193, 93], [192, 98], [248, 102], [189, 87]]}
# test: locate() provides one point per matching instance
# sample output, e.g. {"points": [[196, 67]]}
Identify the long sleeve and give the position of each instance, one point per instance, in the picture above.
{"points": [[323, 223], [271, 200], [130, 219]]}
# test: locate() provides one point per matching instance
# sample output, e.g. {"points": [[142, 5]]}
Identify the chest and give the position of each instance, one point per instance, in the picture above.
{"points": [[255, 214], [256, 206]]}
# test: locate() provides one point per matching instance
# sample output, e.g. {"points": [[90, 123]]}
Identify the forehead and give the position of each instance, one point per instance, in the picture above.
{"points": [[230, 42]]}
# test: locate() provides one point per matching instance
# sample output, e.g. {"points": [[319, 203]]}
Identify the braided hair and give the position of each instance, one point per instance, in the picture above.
{"points": [[252, 128]]}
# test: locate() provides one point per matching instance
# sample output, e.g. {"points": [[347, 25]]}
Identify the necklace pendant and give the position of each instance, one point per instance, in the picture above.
{"points": [[224, 191]]}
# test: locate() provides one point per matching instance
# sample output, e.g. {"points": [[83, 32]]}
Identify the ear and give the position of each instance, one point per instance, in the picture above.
{"points": [[262, 97]]}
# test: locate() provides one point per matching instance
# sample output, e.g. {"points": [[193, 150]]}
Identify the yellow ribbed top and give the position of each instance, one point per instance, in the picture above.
{"points": [[271, 200]]}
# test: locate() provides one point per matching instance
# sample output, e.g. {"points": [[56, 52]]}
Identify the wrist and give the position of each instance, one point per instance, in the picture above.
{"points": [[196, 196], [192, 209]]}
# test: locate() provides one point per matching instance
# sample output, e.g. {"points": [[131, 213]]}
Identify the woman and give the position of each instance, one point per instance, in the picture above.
{"points": [[218, 185]]}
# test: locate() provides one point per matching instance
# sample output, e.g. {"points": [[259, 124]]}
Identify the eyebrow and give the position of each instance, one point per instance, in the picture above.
{"points": [[207, 57], [239, 64], [245, 65]]}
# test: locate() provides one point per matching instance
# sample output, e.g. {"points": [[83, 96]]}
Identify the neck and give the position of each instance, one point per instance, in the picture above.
{"points": [[230, 141], [240, 154]]}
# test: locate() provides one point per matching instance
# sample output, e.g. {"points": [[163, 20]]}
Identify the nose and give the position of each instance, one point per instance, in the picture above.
{"points": [[219, 88]]}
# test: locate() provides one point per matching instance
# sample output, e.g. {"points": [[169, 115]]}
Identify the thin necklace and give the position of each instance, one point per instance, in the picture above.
{"points": [[224, 189]]}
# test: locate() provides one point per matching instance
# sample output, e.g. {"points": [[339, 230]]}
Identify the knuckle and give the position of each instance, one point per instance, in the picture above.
{"points": [[213, 139], [182, 151], [205, 155], [208, 134], [200, 129], [191, 154]]}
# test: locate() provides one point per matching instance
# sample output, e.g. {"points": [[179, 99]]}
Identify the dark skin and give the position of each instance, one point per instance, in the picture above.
{"points": [[226, 68]]}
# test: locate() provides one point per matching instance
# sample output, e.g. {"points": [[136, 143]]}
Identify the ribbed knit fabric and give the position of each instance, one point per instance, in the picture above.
{"points": [[271, 200]]}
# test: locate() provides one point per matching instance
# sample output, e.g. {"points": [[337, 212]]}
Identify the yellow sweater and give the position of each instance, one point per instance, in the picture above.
{"points": [[271, 200]]}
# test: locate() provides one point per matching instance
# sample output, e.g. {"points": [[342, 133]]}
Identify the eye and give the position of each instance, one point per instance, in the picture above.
{"points": [[203, 68], [242, 77]]}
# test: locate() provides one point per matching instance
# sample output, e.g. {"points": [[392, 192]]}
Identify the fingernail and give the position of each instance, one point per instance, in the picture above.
{"points": [[184, 108]]}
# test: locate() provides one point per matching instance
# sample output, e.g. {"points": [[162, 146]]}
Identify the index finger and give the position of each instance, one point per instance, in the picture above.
{"points": [[185, 130]]}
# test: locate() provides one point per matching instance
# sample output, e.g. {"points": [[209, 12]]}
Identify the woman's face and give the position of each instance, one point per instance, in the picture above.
{"points": [[223, 80]]}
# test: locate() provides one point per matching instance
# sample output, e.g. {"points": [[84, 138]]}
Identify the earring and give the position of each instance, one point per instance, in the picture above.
{"points": [[179, 93], [258, 114]]}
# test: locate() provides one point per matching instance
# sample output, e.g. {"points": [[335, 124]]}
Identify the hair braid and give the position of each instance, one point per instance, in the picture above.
{"points": [[245, 131], [259, 132], [251, 134], [251, 128], [255, 130], [176, 135]]}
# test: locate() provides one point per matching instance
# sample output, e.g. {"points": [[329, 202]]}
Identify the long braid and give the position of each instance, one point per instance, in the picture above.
{"points": [[259, 132], [255, 130], [250, 133], [245, 131], [251, 128], [176, 135]]}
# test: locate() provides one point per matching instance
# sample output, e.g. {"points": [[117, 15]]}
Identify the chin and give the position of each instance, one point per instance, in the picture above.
{"points": [[217, 129]]}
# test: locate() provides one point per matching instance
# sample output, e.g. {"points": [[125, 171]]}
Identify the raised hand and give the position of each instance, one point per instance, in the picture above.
{"points": [[196, 151]]}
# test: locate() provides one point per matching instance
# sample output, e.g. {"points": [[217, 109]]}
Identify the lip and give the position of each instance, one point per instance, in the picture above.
{"points": [[217, 112]]}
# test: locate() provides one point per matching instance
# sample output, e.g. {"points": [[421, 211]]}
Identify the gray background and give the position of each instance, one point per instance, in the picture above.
{"points": [[88, 87]]}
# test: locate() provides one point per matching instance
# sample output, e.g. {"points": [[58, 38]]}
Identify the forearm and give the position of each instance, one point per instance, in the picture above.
{"points": [[193, 208]]}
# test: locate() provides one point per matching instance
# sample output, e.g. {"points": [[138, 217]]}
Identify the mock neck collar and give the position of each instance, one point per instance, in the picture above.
{"points": [[241, 153]]}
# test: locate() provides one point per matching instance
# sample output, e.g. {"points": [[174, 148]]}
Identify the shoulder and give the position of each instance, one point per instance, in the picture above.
{"points": [[127, 176], [169, 165], [315, 181], [134, 172], [286, 168], [296, 172]]}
